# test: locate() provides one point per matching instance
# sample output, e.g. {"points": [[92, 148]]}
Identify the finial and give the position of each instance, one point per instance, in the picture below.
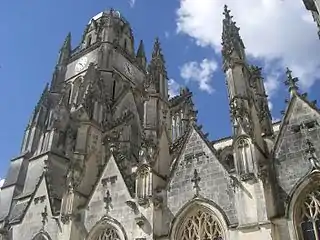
{"points": [[231, 40], [196, 180], [291, 81], [226, 13]]}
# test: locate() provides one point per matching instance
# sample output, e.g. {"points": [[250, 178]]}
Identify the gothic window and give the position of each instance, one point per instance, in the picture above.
{"points": [[200, 225], [125, 44], [108, 234], [89, 41], [174, 134], [244, 157], [143, 181], [41, 236], [308, 216], [75, 90], [114, 90]]}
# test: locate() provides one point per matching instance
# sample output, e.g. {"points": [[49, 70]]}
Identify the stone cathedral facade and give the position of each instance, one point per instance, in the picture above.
{"points": [[107, 155]]}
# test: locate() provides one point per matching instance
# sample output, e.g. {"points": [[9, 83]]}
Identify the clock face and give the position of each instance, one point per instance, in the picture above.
{"points": [[128, 69], [81, 64]]}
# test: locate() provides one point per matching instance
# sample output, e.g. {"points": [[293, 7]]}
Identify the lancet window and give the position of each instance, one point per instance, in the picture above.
{"points": [[308, 216], [177, 125], [143, 183], [244, 157], [200, 225]]}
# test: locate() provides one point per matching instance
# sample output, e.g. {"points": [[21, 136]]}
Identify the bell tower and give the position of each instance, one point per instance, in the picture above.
{"points": [[250, 124]]}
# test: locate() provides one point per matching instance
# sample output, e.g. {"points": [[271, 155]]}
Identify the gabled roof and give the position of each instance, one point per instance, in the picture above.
{"points": [[295, 97], [182, 143]]}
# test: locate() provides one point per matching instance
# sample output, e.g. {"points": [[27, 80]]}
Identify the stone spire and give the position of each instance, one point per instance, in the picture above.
{"points": [[141, 55], [65, 50], [231, 40], [291, 82], [61, 67], [157, 63]]}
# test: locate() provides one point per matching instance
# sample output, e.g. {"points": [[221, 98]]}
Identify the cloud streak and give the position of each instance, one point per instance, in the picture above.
{"points": [[200, 73]]}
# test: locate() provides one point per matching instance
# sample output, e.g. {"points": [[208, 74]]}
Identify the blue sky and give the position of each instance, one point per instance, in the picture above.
{"points": [[33, 31]]}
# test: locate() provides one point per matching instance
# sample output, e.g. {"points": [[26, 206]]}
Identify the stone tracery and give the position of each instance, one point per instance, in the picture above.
{"points": [[109, 234], [308, 215], [200, 225]]}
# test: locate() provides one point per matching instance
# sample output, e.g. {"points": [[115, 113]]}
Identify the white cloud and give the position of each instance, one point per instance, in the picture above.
{"points": [[271, 84], [166, 34], [1, 183], [173, 88], [132, 2], [201, 73], [272, 30]]}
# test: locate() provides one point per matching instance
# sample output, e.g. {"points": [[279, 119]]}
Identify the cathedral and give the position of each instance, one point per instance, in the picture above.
{"points": [[106, 155]]}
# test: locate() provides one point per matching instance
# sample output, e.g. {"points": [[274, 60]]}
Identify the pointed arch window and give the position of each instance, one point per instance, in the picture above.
{"points": [[89, 41], [200, 224], [125, 44], [108, 234], [143, 183], [308, 216], [41, 236], [244, 157]]}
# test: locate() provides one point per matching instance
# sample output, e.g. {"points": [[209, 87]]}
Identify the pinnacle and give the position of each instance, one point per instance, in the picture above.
{"points": [[226, 13], [141, 51], [67, 41], [156, 48], [291, 82], [231, 40]]}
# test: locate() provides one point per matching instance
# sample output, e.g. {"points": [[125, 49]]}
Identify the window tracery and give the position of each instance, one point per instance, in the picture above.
{"points": [[143, 183], [40, 236], [308, 216], [109, 234], [200, 225]]}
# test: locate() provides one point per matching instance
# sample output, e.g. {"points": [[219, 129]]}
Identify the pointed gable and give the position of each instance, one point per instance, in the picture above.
{"points": [[301, 121], [111, 180], [197, 154], [38, 215]]}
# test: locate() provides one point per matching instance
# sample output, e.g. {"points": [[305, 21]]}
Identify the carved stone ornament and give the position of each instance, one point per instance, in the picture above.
{"points": [[263, 173], [241, 115], [311, 155]]}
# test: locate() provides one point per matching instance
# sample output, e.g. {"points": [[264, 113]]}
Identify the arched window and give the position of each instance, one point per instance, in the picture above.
{"points": [[200, 224], [143, 183], [244, 157], [89, 41], [308, 215], [125, 44], [41, 236], [107, 229], [108, 234]]}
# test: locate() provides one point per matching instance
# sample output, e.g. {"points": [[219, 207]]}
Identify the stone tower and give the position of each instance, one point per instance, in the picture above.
{"points": [[314, 7], [251, 122]]}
